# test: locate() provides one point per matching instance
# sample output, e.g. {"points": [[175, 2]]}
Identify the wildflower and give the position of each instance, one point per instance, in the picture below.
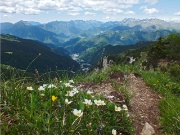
{"points": [[89, 92], [67, 102], [71, 81], [87, 102], [29, 88], [99, 102], [117, 109], [125, 107], [114, 132], [54, 98], [42, 95], [68, 85], [51, 86], [78, 113], [41, 88], [45, 85], [70, 94], [75, 90], [110, 97]]}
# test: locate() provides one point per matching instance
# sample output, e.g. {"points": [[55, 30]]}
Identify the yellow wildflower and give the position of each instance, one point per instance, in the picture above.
{"points": [[54, 98]]}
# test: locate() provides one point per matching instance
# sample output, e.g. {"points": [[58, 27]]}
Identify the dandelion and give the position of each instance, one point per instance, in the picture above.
{"points": [[89, 92], [69, 94], [117, 109], [125, 107], [75, 90], [29, 88], [78, 113], [67, 102], [41, 88], [114, 132], [87, 102], [99, 102], [54, 98]]}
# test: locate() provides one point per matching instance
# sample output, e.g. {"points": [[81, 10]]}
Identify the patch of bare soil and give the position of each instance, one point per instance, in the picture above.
{"points": [[104, 88], [144, 104]]}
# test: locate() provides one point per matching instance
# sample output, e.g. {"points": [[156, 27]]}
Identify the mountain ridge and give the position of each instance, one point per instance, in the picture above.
{"points": [[26, 53]]}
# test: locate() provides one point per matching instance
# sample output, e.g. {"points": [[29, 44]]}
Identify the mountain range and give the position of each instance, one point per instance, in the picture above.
{"points": [[88, 38], [125, 32]]}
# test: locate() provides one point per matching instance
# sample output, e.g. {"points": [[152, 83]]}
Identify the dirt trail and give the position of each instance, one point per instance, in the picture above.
{"points": [[144, 104]]}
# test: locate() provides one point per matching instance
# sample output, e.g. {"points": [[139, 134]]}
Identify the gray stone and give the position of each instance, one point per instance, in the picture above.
{"points": [[147, 129]]}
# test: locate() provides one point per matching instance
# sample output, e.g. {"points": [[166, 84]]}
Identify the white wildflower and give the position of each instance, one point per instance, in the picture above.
{"points": [[78, 113], [114, 132], [41, 88], [89, 92], [117, 109], [69, 94], [87, 102], [125, 107], [67, 102], [99, 102], [29, 88], [51, 86], [75, 90]]}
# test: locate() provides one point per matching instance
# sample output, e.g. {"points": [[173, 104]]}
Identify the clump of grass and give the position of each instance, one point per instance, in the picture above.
{"points": [[59, 107], [170, 103]]}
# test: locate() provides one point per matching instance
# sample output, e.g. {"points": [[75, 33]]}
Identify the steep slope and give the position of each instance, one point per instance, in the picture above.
{"points": [[20, 53], [27, 30], [93, 55]]}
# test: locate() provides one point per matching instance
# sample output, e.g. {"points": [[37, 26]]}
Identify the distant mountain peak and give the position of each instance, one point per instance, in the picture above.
{"points": [[27, 23]]}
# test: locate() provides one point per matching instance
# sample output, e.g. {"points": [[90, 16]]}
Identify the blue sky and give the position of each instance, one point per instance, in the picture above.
{"points": [[102, 10]]}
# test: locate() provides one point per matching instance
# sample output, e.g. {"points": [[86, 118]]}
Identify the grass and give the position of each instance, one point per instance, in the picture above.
{"points": [[36, 112], [30, 108], [168, 88], [170, 102]]}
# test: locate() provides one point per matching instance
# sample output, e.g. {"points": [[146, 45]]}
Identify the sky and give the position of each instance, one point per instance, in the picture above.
{"points": [[44, 11]]}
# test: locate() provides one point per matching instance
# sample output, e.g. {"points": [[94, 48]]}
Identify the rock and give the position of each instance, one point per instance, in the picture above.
{"points": [[147, 129]]}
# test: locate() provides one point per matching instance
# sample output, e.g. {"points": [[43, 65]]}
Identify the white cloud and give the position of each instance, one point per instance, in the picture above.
{"points": [[37, 6], [73, 13], [113, 11], [129, 12], [90, 13], [177, 13], [109, 18], [149, 11], [151, 1], [5, 9]]}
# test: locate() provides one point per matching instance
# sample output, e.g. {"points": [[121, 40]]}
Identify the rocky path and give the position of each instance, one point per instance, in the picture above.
{"points": [[144, 107]]}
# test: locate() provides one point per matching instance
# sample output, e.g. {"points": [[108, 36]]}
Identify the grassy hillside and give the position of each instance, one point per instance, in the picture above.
{"points": [[94, 54], [28, 54]]}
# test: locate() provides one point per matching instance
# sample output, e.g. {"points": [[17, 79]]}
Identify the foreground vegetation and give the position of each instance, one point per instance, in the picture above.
{"points": [[59, 107], [63, 107]]}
